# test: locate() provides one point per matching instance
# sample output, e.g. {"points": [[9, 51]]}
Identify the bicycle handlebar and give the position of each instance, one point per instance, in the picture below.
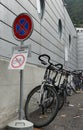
{"points": [[70, 72], [42, 61], [59, 66]]}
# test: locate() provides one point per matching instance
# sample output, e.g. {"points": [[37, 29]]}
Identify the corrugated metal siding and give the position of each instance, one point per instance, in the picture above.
{"points": [[45, 37]]}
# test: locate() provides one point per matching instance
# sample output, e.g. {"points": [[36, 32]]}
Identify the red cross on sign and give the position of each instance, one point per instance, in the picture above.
{"points": [[18, 61], [22, 26]]}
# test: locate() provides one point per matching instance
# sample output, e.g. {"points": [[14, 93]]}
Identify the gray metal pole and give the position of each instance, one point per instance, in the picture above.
{"points": [[21, 93]]}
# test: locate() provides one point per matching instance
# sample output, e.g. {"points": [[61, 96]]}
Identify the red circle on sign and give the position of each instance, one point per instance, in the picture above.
{"points": [[22, 26], [16, 61]]}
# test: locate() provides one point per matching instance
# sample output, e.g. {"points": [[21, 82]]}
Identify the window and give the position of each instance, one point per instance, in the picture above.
{"points": [[60, 27], [77, 30], [69, 40], [40, 8]]}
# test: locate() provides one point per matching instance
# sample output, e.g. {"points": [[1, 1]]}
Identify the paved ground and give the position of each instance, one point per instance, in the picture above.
{"points": [[70, 117]]}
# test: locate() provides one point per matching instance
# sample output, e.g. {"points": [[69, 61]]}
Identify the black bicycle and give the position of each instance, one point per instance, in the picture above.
{"points": [[71, 85], [43, 101]]}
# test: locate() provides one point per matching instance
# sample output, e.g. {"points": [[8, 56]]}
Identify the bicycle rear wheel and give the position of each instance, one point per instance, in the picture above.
{"points": [[69, 91], [41, 114], [62, 97]]}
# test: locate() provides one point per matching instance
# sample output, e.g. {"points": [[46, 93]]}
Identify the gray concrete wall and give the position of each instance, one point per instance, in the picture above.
{"points": [[10, 87]]}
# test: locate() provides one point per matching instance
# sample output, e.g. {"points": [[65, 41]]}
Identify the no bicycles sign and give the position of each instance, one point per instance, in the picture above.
{"points": [[18, 61], [19, 58]]}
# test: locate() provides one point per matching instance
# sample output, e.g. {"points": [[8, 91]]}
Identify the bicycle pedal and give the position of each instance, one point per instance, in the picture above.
{"points": [[49, 110]]}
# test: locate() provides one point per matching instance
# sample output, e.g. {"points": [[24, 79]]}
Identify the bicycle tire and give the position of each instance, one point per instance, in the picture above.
{"points": [[62, 98], [69, 91], [36, 116]]}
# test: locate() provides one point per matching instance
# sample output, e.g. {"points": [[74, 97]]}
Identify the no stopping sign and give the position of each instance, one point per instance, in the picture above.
{"points": [[22, 26]]}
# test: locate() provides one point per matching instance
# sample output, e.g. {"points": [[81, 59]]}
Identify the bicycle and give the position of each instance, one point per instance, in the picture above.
{"points": [[62, 88], [71, 86], [77, 79], [42, 103]]}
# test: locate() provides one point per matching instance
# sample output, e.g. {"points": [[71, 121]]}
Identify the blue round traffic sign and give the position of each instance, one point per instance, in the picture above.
{"points": [[22, 26]]}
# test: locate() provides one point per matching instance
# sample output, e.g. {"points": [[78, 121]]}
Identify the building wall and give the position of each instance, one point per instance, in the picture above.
{"points": [[10, 86], [45, 36], [80, 48], [44, 39]]}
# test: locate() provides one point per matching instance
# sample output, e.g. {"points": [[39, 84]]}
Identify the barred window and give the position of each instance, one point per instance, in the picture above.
{"points": [[40, 8], [60, 28]]}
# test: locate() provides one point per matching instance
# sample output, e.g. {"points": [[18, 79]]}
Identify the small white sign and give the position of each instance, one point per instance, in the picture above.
{"points": [[18, 61], [19, 58], [38, 6], [24, 49], [66, 54]]}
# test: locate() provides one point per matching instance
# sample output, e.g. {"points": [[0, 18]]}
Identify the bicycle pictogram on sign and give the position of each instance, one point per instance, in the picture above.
{"points": [[18, 61]]}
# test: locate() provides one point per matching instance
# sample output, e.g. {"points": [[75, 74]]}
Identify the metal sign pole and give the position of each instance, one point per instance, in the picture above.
{"points": [[21, 92], [21, 95], [18, 62]]}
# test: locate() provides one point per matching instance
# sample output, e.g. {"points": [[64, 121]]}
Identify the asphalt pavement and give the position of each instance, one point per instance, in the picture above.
{"points": [[70, 117]]}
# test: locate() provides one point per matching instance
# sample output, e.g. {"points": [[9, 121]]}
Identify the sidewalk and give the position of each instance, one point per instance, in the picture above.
{"points": [[70, 117]]}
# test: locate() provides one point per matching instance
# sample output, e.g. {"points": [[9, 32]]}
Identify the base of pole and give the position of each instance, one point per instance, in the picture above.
{"points": [[20, 125]]}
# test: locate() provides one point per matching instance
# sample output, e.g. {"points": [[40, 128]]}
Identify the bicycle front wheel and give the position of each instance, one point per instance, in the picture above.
{"points": [[41, 113], [62, 97], [69, 91]]}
